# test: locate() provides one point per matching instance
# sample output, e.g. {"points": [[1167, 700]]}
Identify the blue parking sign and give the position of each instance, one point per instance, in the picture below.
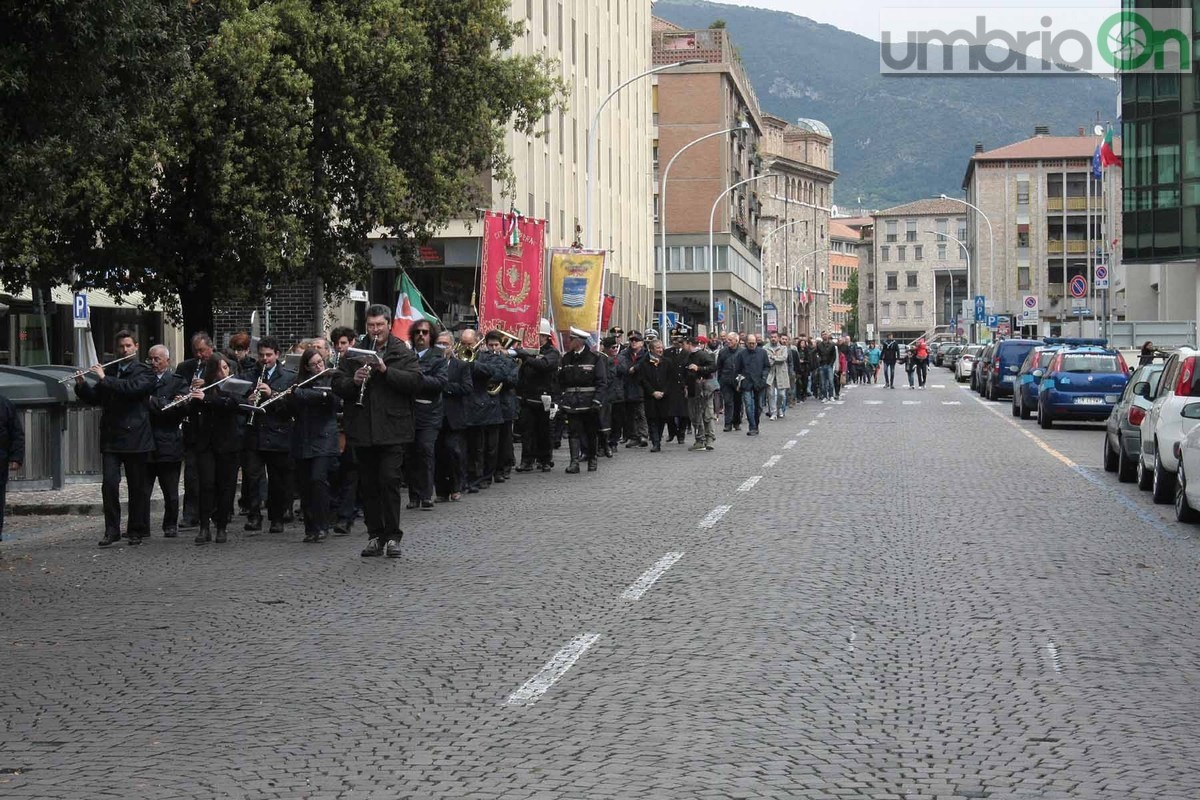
{"points": [[980, 309]]}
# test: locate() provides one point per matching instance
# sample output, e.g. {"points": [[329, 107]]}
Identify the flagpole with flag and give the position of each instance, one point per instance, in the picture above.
{"points": [[410, 307]]}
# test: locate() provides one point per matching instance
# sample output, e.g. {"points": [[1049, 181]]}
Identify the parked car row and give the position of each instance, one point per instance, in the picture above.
{"points": [[1151, 413]]}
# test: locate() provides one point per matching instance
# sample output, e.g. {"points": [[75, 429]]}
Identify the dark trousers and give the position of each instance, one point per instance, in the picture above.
{"points": [[635, 420], [654, 426], [3, 492], [278, 470], [505, 452], [380, 470], [889, 373], [535, 433], [312, 475], [218, 484], [483, 445], [585, 428], [451, 468], [167, 475], [732, 399], [134, 465], [420, 458], [191, 486], [922, 370], [344, 487], [677, 427]]}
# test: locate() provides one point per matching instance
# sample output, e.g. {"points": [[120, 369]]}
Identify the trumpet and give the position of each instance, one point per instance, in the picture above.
{"points": [[187, 397], [83, 372], [362, 390], [257, 394], [301, 384]]}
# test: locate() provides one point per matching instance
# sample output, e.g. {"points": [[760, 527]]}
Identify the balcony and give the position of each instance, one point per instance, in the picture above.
{"points": [[1054, 204], [1075, 246], [712, 45]]}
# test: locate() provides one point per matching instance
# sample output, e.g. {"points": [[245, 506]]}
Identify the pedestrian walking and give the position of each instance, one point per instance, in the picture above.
{"points": [[655, 374], [216, 412], [699, 372], [731, 398], [314, 445], [890, 354], [752, 366], [583, 378], [165, 463]]}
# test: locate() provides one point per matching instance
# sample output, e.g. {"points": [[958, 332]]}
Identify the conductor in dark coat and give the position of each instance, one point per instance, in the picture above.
{"points": [[126, 439], [380, 427], [677, 404], [166, 462]]}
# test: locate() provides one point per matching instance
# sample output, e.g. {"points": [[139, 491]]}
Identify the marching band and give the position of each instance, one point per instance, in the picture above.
{"points": [[371, 423]]}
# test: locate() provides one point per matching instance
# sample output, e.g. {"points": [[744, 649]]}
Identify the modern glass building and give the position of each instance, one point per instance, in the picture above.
{"points": [[1160, 114]]}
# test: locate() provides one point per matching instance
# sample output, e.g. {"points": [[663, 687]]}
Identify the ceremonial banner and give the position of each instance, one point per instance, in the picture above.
{"points": [[610, 301], [576, 288], [510, 291]]}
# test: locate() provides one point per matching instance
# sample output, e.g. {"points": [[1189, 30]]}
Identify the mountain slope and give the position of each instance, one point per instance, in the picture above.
{"points": [[895, 138]]}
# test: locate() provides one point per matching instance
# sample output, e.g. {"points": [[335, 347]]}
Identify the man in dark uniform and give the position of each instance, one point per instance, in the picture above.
{"points": [[427, 416], [583, 379], [637, 433], [126, 439], [380, 427], [166, 461], [677, 404], [268, 442], [490, 370], [343, 484], [535, 388], [192, 372], [451, 470]]}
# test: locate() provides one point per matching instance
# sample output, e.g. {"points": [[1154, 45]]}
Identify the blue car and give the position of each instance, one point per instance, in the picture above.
{"points": [[1025, 386], [1006, 358], [1080, 383]]}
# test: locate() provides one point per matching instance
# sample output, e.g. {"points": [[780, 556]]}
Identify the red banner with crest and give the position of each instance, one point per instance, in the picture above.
{"points": [[510, 290]]}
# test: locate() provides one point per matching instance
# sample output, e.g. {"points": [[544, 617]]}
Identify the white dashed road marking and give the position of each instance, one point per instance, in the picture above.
{"points": [[554, 669], [715, 515], [951, 403], [772, 461], [1055, 659], [804, 432], [750, 483], [872, 402], [647, 579], [789, 444], [912, 402], [821, 415]]}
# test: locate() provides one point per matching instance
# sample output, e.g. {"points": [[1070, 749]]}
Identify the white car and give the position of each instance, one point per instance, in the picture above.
{"points": [[1187, 452], [965, 363], [1165, 425]]}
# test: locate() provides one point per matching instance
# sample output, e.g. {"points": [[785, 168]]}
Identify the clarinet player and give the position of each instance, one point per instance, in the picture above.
{"points": [[378, 416]]}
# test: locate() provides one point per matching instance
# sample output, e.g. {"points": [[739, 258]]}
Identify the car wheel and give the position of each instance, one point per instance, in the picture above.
{"points": [[1183, 510], [1024, 412], [1145, 477], [1126, 468], [1015, 411], [1045, 421], [1163, 482], [1110, 458]]}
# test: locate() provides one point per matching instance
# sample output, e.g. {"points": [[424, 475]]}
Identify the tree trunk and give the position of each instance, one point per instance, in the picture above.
{"points": [[197, 304]]}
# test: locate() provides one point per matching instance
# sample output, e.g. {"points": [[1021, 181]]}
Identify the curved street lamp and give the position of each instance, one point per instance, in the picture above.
{"points": [[712, 248], [967, 254], [991, 248]]}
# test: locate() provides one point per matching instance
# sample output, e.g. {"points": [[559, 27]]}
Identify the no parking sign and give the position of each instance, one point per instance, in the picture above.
{"points": [[1101, 276]]}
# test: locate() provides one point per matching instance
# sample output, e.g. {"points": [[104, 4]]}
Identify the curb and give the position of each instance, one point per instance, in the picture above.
{"points": [[67, 509]]}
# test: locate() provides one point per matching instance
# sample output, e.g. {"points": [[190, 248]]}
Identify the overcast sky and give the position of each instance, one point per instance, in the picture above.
{"points": [[862, 16]]}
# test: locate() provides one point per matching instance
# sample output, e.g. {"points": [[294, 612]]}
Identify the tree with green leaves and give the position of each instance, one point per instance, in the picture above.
{"points": [[272, 141], [850, 298]]}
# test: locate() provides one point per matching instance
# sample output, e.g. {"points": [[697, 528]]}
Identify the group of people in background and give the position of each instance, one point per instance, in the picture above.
{"points": [[352, 426]]}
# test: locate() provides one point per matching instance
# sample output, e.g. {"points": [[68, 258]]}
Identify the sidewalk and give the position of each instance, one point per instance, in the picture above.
{"points": [[81, 499]]}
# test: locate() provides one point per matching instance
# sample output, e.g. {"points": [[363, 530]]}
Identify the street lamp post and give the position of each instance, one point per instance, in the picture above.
{"points": [[591, 140], [762, 295], [991, 248], [712, 249], [967, 254], [662, 205]]}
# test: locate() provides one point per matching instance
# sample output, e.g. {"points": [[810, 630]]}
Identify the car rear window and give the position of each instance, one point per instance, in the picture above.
{"points": [[974, 350], [1044, 357], [1090, 363]]}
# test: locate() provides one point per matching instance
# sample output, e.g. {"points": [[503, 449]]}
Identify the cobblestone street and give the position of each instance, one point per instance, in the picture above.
{"points": [[907, 595]]}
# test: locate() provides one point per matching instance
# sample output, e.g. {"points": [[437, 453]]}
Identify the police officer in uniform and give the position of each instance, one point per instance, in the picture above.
{"points": [[583, 379], [535, 382]]}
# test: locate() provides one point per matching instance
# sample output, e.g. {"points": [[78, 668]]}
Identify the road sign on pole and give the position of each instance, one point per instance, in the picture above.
{"points": [[980, 308], [81, 310], [1079, 287], [1102, 276]]}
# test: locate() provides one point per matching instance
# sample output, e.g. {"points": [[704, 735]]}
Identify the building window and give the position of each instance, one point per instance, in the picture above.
{"points": [[910, 230], [1022, 238], [870, 283], [962, 229], [1023, 192], [893, 281], [910, 280], [918, 252], [884, 254], [943, 225], [941, 252], [900, 253], [885, 310], [919, 309], [902, 310], [892, 226], [1022, 277]]}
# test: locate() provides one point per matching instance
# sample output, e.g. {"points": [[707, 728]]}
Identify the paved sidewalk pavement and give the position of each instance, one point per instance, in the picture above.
{"points": [[74, 499]]}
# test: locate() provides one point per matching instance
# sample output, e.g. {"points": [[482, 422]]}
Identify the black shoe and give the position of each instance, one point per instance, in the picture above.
{"points": [[170, 533], [472, 490], [526, 466], [392, 549], [546, 466], [572, 468], [591, 465], [204, 536], [288, 516], [253, 524], [442, 498], [133, 541], [709, 447], [110, 538], [498, 478], [276, 527], [222, 536], [322, 535], [309, 538], [342, 528], [607, 452], [656, 448], [411, 504], [188, 524], [631, 443], [643, 442], [374, 548], [427, 505], [728, 428]]}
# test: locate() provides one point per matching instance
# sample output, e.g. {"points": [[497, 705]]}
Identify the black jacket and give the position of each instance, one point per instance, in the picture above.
{"points": [[12, 433], [215, 421], [459, 386], [827, 354], [487, 370], [427, 404], [891, 352], [752, 366], [189, 370], [655, 375], [125, 419], [537, 373], [272, 429], [626, 376], [676, 359], [386, 416], [707, 367], [583, 379], [166, 425], [727, 365], [314, 428]]}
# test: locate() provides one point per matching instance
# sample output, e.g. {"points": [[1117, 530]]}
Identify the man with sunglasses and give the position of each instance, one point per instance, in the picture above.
{"points": [[420, 453]]}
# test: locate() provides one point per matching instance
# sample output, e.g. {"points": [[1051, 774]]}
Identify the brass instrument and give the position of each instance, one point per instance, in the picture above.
{"points": [[362, 390], [299, 385], [508, 340], [257, 394], [465, 352], [187, 397], [84, 372]]}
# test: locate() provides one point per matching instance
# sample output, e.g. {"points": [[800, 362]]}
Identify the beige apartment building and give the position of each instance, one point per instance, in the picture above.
{"points": [[794, 226], [1048, 223], [689, 103], [844, 243], [915, 277], [598, 45]]}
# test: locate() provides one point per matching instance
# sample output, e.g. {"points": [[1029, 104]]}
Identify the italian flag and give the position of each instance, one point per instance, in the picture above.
{"points": [[1108, 156], [410, 307], [804, 291]]}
